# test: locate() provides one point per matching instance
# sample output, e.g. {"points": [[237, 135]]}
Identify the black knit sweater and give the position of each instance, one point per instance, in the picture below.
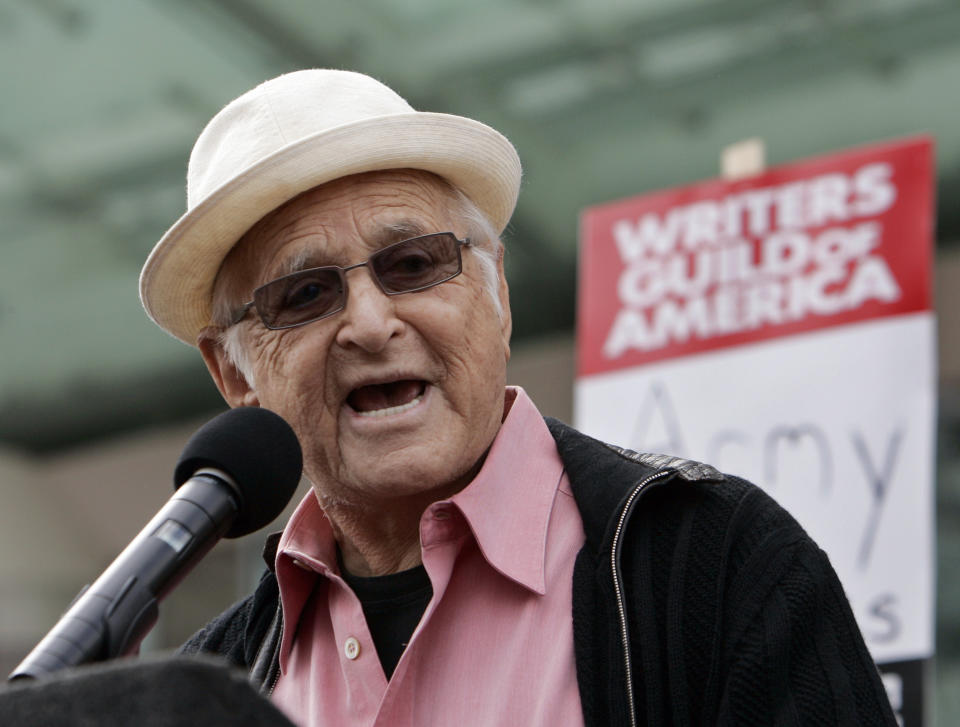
{"points": [[733, 615]]}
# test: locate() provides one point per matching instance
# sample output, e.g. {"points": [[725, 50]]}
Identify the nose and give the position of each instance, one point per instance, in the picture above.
{"points": [[369, 319]]}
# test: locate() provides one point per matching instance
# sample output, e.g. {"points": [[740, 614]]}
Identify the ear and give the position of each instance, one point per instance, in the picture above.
{"points": [[232, 384], [503, 292]]}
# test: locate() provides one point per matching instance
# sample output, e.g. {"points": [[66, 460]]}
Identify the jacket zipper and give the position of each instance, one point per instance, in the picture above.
{"points": [[273, 684], [618, 584], [273, 645], [275, 661]]}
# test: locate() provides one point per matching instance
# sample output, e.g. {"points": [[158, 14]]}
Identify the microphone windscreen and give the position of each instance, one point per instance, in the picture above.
{"points": [[151, 692], [259, 450]]}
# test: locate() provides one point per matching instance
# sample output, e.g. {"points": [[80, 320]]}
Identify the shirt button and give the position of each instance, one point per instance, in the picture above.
{"points": [[351, 648], [441, 515]]}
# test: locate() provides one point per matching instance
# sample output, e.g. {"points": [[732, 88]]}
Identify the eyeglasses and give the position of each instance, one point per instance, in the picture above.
{"points": [[309, 295]]}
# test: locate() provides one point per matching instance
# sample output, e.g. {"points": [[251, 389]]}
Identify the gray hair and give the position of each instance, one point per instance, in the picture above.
{"points": [[487, 248]]}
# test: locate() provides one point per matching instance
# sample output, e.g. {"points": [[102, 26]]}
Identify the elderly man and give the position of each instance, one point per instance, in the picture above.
{"points": [[460, 560]]}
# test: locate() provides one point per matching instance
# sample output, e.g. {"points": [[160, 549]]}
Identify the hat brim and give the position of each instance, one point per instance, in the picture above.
{"points": [[176, 284]]}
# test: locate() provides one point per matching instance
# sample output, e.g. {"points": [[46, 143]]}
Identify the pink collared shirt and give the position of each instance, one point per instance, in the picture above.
{"points": [[495, 644]]}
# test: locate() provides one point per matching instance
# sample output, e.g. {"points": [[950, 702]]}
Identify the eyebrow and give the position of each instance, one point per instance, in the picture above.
{"points": [[402, 230], [389, 234], [303, 260]]}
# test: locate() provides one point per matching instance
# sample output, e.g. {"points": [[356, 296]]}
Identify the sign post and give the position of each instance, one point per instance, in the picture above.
{"points": [[780, 327]]}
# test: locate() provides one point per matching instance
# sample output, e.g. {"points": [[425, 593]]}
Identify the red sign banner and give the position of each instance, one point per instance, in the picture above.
{"points": [[833, 240]]}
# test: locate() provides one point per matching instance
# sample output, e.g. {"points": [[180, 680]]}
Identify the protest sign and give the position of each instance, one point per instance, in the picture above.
{"points": [[781, 328]]}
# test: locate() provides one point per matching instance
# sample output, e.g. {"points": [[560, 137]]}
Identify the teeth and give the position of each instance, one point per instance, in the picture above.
{"points": [[391, 409]]}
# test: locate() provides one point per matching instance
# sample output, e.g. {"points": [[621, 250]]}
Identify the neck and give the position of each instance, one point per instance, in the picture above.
{"points": [[378, 538]]}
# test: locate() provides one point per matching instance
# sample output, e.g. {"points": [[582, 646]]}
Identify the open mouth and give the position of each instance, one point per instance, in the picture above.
{"points": [[380, 400]]}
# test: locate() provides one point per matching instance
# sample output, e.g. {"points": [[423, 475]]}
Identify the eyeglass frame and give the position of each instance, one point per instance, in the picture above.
{"points": [[241, 312]]}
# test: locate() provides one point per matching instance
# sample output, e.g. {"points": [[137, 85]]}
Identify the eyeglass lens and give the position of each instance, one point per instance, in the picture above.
{"points": [[403, 267]]}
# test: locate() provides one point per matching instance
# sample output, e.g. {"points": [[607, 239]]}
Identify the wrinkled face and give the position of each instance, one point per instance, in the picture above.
{"points": [[395, 395]]}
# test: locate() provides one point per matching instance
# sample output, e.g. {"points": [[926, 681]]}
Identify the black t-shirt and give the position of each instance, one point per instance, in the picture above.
{"points": [[393, 605]]}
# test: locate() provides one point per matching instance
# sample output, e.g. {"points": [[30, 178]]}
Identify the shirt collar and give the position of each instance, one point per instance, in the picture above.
{"points": [[308, 536], [307, 547], [508, 503]]}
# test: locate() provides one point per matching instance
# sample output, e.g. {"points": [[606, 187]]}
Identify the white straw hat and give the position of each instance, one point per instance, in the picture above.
{"points": [[291, 134]]}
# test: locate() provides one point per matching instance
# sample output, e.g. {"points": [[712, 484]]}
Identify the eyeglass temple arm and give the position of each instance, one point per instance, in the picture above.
{"points": [[240, 313]]}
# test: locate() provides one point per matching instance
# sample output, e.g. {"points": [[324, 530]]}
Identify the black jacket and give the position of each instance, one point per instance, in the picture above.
{"points": [[697, 600]]}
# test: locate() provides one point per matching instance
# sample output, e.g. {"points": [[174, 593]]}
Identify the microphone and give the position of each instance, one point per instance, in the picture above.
{"points": [[235, 475]]}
